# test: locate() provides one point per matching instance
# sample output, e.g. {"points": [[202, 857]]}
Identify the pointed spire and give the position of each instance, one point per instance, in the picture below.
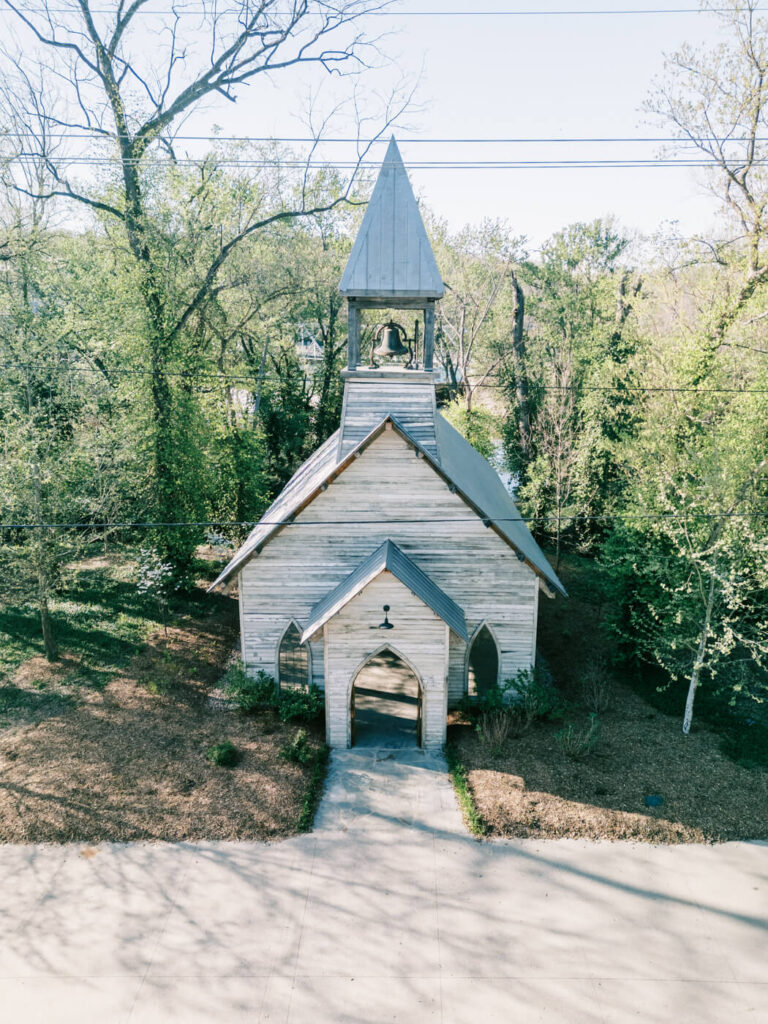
{"points": [[392, 257]]}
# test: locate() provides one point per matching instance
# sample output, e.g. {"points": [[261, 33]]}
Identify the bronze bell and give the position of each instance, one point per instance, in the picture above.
{"points": [[391, 338]]}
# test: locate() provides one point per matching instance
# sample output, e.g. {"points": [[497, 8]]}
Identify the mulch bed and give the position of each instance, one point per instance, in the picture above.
{"points": [[127, 762], [534, 790]]}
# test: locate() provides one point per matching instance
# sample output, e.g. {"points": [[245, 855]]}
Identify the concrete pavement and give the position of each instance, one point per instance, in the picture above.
{"points": [[392, 914]]}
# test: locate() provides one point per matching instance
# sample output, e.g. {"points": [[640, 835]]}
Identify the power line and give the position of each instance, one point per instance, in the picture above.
{"points": [[543, 140], [629, 517], [256, 379], [392, 12], [418, 165]]}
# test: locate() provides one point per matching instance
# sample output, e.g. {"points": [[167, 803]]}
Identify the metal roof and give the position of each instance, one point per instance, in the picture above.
{"points": [[392, 256], [387, 558], [474, 479], [300, 488], [480, 482]]}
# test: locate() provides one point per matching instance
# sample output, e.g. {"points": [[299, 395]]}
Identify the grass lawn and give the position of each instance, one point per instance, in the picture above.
{"points": [[533, 789], [109, 743]]}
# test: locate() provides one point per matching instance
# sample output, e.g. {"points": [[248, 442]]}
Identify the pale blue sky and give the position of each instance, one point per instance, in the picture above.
{"points": [[493, 76]]}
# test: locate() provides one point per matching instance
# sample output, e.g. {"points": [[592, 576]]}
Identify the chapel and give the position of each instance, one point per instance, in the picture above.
{"points": [[393, 571]]}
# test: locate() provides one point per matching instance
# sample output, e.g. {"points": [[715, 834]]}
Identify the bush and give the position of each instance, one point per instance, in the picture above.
{"points": [[298, 751], [579, 743], [533, 692], [494, 728], [597, 687], [302, 704], [250, 693], [225, 755]]}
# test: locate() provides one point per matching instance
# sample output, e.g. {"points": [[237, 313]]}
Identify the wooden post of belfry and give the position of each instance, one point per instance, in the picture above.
{"points": [[429, 336], [353, 328]]}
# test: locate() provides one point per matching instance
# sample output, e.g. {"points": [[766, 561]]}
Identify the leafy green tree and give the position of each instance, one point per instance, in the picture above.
{"points": [[577, 346], [92, 73]]}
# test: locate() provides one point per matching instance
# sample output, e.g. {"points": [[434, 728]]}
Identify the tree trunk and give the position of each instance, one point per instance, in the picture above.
{"points": [[521, 376], [49, 641], [698, 663]]}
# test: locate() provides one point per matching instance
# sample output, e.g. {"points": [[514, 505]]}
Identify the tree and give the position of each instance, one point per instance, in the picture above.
{"points": [[573, 348], [473, 319], [700, 461], [127, 102]]}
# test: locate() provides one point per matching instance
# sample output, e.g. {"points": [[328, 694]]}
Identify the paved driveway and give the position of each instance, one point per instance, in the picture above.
{"points": [[389, 914]]}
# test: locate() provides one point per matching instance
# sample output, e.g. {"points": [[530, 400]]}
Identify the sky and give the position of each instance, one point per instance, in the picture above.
{"points": [[518, 76], [483, 75]]}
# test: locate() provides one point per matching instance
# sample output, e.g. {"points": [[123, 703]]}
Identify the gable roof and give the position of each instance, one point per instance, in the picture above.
{"points": [[392, 256], [387, 558], [480, 482], [459, 464]]}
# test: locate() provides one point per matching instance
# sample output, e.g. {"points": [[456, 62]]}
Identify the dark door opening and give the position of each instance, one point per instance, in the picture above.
{"points": [[483, 667], [386, 704]]}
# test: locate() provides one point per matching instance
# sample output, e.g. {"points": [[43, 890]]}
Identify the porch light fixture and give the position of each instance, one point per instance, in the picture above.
{"points": [[386, 624]]}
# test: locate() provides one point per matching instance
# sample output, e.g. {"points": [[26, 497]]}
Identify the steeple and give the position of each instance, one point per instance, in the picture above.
{"points": [[392, 257], [392, 265]]}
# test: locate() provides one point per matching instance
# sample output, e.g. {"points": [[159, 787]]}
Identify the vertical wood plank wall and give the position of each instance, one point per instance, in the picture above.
{"points": [[419, 636], [470, 562]]}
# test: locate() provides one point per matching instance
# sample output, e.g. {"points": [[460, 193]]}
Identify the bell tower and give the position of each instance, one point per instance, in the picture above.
{"points": [[391, 267]]}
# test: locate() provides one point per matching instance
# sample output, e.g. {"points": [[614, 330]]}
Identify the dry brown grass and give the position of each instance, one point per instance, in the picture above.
{"points": [[128, 762], [534, 790]]}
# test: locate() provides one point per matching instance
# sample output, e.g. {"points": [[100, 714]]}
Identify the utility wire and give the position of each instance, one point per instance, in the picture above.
{"points": [[394, 12], [433, 165], [255, 379], [654, 517], [407, 141]]}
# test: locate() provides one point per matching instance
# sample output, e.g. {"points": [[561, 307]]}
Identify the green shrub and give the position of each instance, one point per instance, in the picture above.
{"points": [[225, 755], [302, 704], [579, 743], [532, 691], [298, 751], [250, 693]]}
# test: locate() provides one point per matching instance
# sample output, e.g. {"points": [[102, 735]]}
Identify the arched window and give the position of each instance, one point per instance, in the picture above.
{"points": [[482, 663], [293, 659]]}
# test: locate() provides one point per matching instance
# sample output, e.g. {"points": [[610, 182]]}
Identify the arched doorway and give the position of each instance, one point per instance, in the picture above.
{"points": [[386, 703], [482, 663], [292, 660]]}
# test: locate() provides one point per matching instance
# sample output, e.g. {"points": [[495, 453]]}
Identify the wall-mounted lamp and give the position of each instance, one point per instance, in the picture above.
{"points": [[386, 624]]}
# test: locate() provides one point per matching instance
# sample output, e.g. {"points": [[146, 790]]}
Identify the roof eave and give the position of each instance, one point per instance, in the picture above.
{"points": [[236, 564]]}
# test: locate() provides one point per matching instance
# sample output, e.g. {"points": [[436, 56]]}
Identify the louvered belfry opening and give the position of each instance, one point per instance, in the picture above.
{"points": [[293, 661]]}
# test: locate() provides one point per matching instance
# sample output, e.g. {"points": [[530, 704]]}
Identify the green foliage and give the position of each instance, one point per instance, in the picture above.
{"points": [[301, 704], [460, 778], [510, 709], [578, 743], [298, 750], [314, 789], [250, 693], [478, 426], [224, 754]]}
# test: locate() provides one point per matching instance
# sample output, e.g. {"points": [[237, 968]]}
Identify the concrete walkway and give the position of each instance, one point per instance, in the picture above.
{"points": [[389, 912]]}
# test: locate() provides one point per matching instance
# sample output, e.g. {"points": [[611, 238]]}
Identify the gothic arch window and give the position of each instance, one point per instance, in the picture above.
{"points": [[292, 659], [482, 662]]}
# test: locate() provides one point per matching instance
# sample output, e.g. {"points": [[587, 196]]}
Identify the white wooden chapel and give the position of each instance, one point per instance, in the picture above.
{"points": [[395, 511]]}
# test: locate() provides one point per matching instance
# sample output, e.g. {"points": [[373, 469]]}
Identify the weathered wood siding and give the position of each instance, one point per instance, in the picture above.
{"points": [[420, 637], [470, 562], [368, 402]]}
